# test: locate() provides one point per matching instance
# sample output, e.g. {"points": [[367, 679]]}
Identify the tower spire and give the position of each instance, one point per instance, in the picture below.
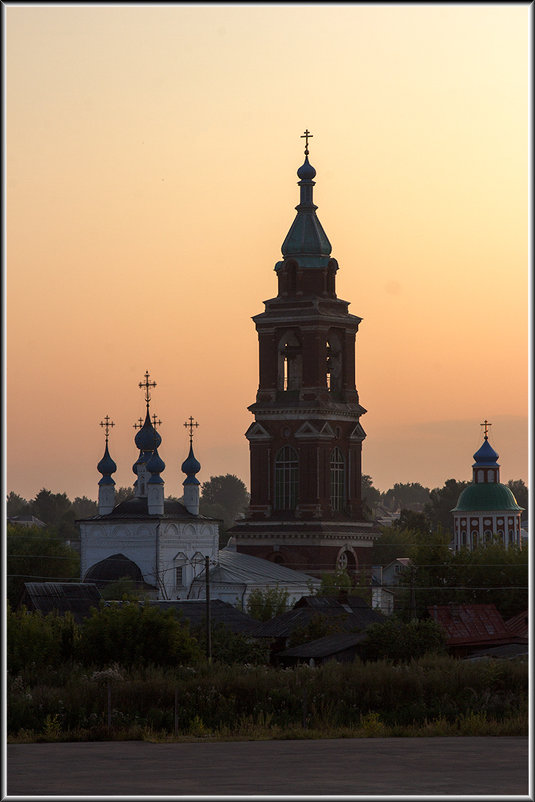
{"points": [[106, 466], [306, 241], [190, 467]]}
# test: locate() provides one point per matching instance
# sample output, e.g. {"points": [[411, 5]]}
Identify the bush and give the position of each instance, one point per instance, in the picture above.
{"points": [[135, 634]]}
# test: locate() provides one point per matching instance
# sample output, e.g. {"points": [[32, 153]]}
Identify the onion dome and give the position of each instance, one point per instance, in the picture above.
{"points": [[306, 172], [190, 467], [485, 456], [155, 465], [486, 497], [306, 241], [106, 467], [147, 438]]}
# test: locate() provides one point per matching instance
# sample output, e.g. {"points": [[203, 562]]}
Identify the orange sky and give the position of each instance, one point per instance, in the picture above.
{"points": [[151, 156]]}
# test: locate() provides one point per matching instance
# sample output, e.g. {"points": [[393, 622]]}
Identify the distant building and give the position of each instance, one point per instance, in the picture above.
{"points": [[26, 520], [306, 439], [162, 545], [478, 628], [236, 576], [486, 511]]}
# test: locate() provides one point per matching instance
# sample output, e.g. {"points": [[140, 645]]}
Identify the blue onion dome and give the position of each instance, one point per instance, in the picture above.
{"points": [[190, 467], [306, 172], [106, 465], [486, 455], [147, 438], [155, 463]]}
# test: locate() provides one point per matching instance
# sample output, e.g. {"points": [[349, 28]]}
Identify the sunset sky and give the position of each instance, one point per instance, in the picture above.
{"points": [[151, 156]]}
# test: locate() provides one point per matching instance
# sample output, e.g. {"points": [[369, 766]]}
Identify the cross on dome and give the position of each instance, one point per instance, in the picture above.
{"points": [[306, 136], [190, 424], [155, 421], [486, 424], [139, 423], [147, 385], [107, 424]]}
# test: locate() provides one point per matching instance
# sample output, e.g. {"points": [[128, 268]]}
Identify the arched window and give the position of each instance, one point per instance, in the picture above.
{"points": [[333, 363], [290, 365], [338, 469], [286, 474]]}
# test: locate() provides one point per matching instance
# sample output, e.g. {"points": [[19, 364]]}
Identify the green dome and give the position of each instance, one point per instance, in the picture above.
{"points": [[487, 496]]}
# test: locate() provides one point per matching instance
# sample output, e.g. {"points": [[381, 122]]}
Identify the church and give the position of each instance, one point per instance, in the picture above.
{"points": [[161, 544], [305, 452], [306, 439], [486, 510]]}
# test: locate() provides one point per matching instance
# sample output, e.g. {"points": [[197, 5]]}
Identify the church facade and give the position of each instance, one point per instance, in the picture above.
{"points": [[161, 544], [306, 438], [486, 511]]}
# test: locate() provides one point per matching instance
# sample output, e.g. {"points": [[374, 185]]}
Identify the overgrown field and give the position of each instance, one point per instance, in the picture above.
{"points": [[434, 695]]}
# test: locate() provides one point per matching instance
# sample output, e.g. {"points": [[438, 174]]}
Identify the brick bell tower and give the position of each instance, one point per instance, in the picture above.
{"points": [[306, 439]]}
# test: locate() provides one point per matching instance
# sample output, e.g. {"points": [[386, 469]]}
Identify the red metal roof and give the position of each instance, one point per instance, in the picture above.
{"points": [[519, 624], [471, 623]]}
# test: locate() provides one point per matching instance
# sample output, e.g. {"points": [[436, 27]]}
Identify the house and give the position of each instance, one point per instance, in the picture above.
{"points": [[340, 646], [77, 598], [26, 520], [519, 624], [235, 576], [345, 613], [473, 628]]}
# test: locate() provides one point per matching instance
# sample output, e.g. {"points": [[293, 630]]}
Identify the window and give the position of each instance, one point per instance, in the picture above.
{"points": [[290, 362], [178, 575], [333, 362], [337, 480], [286, 475]]}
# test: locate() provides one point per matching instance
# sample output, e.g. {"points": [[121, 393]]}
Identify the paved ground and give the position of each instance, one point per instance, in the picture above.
{"points": [[360, 766]]}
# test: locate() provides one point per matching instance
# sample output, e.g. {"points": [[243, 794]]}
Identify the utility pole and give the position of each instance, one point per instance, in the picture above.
{"points": [[208, 611]]}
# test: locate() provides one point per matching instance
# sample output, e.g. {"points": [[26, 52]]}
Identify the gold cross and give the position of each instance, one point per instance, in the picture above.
{"points": [[139, 424], [486, 424], [306, 136], [147, 384], [189, 425], [107, 424], [155, 422]]}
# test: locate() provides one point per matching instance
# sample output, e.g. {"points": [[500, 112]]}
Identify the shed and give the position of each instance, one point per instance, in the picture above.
{"points": [[61, 597], [471, 626], [341, 646]]}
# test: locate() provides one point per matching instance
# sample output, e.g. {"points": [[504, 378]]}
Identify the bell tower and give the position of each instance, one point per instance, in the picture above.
{"points": [[306, 439]]}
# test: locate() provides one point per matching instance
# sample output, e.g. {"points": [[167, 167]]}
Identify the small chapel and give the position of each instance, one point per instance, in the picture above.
{"points": [[486, 510], [306, 439], [161, 544]]}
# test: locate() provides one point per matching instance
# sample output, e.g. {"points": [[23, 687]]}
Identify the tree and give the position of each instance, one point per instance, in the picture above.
{"points": [[39, 639], [413, 521], [229, 493], [123, 493], [401, 641], [391, 544], [333, 583], [84, 507], [51, 507], [441, 502], [122, 589], [16, 505], [521, 493], [136, 634], [405, 495], [266, 604], [318, 626], [371, 497], [232, 648], [38, 555]]}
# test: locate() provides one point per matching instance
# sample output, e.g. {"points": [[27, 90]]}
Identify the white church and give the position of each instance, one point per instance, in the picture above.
{"points": [[165, 545]]}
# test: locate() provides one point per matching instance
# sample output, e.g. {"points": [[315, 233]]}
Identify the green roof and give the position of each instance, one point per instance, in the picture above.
{"points": [[487, 496]]}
